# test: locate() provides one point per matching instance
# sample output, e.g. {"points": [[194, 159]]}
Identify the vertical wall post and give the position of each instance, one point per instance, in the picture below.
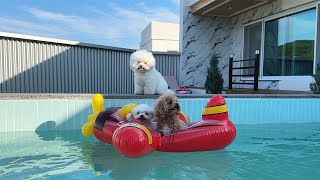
{"points": [[230, 70], [256, 70]]}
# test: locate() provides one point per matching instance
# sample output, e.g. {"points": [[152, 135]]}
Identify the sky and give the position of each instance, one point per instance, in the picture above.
{"points": [[105, 22], [300, 26]]}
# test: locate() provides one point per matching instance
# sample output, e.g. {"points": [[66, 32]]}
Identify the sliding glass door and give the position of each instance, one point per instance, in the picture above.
{"points": [[289, 45], [252, 42]]}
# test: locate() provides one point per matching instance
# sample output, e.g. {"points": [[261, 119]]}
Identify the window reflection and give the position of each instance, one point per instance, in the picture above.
{"points": [[289, 45]]}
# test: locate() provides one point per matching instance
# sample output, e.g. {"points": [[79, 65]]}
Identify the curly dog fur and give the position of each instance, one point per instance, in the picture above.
{"points": [[145, 114], [166, 112]]}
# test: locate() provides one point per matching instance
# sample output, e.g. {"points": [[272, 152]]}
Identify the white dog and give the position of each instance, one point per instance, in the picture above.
{"points": [[145, 114], [147, 80]]}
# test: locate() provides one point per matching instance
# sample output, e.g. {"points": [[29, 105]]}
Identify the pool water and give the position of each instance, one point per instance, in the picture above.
{"points": [[265, 151]]}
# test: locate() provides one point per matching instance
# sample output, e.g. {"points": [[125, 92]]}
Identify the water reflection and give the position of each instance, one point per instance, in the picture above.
{"points": [[103, 160], [283, 151]]}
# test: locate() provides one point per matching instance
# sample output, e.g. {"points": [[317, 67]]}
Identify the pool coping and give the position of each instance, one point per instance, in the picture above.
{"points": [[19, 96]]}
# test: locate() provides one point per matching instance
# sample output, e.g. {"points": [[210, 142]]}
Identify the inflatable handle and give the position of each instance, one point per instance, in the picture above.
{"points": [[183, 117], [126, 110]]}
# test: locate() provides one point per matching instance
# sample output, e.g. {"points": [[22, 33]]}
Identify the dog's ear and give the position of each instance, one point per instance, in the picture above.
{"points": [[134, 111], [161, 110], [128, 117]]}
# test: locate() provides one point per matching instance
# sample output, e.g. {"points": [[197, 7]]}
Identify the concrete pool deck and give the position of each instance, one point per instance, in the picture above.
{"points": [[7, 96]]}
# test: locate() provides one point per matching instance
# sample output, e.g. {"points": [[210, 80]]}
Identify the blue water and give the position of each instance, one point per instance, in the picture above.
{"points": [[266, 151]]}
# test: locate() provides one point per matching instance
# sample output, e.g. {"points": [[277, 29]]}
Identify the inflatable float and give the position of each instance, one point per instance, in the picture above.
{"points": [[215, 131]]}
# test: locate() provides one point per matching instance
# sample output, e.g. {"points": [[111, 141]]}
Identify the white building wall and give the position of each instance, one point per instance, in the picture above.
{"points": [[167, 45], [160, 36], [146, 37], [286, 4], [204, 35]]}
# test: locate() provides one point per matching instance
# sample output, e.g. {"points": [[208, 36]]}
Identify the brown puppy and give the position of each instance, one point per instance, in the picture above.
{"points": [[166, 112]]}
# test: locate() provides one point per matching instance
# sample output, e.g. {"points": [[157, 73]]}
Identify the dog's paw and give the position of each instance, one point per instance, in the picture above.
{"points": [[149, 92]]}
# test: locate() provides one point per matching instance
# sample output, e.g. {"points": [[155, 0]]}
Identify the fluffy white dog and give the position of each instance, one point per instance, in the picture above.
{"points": [[147, 80], [145, 114]]}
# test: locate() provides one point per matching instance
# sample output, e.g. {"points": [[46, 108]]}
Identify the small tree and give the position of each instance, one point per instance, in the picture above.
{"points": [[315, 86], [214, 81]]}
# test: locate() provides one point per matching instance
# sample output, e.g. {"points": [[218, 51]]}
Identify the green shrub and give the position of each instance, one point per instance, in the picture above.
{"points": [[214, 81], [315, 86]]}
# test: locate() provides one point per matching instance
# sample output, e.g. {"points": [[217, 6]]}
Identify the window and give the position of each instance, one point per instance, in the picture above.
{"points": [[252, 42], [289, 45]]}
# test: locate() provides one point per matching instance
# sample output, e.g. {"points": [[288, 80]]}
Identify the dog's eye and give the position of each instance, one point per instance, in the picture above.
{"points": [[147, 114], [170, 102], [138, 113]]}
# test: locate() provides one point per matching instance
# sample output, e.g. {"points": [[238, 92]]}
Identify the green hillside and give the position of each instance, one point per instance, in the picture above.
{"points": [[303, 49]]}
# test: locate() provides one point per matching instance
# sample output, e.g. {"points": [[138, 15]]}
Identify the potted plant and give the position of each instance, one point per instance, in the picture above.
{"points": [[315, 86], [214, 81]]}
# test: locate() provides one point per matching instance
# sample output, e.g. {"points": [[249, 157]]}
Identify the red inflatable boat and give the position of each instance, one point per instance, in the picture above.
{"points": [[215, 131]]}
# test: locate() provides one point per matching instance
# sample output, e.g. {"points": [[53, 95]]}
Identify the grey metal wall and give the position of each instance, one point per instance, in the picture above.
{"points": [[30, 66]]}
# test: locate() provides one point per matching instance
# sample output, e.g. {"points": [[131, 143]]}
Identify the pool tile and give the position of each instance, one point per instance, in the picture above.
{"points": [[60, 113], [10, 116], [3, 116], [45, 114], [28, 115], [22, 115]]}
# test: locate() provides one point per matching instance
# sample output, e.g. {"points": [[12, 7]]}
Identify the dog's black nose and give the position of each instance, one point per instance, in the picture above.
{"points": [[141, 116], [177, 105]]}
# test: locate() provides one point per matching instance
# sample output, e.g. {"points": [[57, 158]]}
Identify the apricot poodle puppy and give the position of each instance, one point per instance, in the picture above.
{"points": [[166, 112]]}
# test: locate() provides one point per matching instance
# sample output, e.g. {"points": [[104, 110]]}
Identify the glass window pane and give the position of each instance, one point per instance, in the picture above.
{"points": [[289, 45], [252, 42], [318, 38]]}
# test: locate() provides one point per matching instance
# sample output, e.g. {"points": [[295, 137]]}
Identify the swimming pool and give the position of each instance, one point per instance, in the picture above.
{"points": [[261, 151], [277, 138]]}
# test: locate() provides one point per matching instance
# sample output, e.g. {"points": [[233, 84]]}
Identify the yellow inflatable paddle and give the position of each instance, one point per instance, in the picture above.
{"points": [[97, 105]]}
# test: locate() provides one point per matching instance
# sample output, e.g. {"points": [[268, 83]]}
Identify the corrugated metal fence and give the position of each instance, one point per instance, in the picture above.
{"points": [[36, 66]]}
